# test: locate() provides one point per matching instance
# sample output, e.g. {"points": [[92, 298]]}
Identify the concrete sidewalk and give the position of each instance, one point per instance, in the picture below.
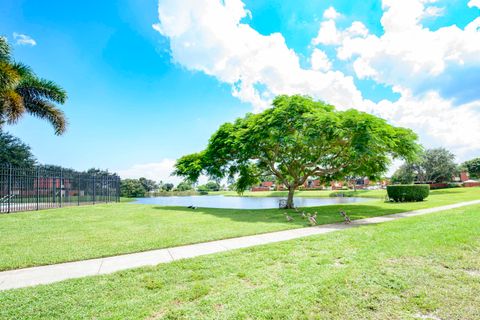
{"points": [[53, 273]]}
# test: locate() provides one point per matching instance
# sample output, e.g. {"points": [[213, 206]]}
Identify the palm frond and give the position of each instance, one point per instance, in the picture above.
{"points": [[23, 70], [9, 76], [11, 106], [44, 109], [32, 87], [4, 49]]}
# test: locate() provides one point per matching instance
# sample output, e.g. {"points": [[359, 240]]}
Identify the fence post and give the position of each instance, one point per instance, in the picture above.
{"points": [[94, 188], [78, 189], [61, 186], [54, 188], [118, 189], [9, 187], [37, 183]]}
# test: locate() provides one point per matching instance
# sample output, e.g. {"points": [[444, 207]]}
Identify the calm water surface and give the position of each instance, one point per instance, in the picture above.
{"points": [[242, 202]]}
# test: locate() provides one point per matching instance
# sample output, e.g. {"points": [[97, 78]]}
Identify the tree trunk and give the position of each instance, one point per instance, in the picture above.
{"points": [[291, 191]]}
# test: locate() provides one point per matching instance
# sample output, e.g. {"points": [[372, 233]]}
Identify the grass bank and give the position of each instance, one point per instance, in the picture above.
{"points": [[422, 267], [78, 233]]}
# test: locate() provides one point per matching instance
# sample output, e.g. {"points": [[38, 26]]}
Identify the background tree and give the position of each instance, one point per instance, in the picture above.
{"points": [[184, 186], [473, 167], [132, 188], [405, 174], [14, 152], [296, 139], [21, 91], [209, 186], [98, 172], [433, 166], [148, 185], [436, 165], [167, 186]]}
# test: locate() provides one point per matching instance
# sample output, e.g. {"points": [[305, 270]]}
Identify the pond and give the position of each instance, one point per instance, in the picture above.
{"points": [[243, 202]]}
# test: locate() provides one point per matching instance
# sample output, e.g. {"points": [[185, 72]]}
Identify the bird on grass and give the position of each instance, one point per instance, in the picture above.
{"points": [[345, 217], [289, 218]]}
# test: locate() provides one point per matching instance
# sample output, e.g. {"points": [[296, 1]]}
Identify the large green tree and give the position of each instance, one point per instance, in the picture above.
{"points": [[433, 166], [21, 91], [296, 139], [473, 167], [132, 188], [14, 152], [405, 174]]}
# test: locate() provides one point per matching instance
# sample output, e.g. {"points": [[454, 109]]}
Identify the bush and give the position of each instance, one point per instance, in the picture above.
{"points": [[455, 185], [408, 192]]}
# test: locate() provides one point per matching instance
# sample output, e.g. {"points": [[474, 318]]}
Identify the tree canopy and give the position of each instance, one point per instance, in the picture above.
{"points": [[184, 186], [473, 167], [14, 152], [433, 166], [209, 186], [296, 139], [132, 188], [21, 91]]}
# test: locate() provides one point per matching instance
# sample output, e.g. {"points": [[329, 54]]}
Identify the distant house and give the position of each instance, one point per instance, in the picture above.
{"points": [[49, 183], [467, 182], [45, 185], [264, 186]]}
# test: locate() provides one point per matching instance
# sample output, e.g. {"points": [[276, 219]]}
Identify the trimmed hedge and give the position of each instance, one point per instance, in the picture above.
{"points": [[408, 192]]}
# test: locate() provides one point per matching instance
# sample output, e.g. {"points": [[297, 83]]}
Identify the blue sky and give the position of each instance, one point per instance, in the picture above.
{"points": [[141, 96]]}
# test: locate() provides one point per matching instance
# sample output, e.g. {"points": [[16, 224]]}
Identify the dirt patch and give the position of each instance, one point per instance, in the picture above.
{"points": [[473, 273], [428, 316]]}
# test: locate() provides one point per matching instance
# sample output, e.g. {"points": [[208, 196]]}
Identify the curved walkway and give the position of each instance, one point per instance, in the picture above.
{"points": [[57, 272]]}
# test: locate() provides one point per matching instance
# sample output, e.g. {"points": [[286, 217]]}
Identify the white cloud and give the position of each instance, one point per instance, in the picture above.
{"points": [[157, 171], [438, 121], [412, 56], [208, 36], [434, 12], [328, 34], [319, 60], [331, 13], [474, 3], [23, 39]]}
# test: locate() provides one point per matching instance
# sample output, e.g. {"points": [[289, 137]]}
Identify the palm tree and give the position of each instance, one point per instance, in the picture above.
{"points": [[21, 91]]}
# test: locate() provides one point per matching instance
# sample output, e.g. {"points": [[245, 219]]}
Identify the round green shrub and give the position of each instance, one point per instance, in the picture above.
{"points": [[408, 192]]}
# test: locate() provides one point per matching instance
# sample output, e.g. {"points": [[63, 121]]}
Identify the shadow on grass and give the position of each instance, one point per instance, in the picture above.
{"points": [[325, 214]]}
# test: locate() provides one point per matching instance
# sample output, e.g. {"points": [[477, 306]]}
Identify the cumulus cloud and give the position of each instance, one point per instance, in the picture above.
{"points": [[328, 34], [474, 3], [331, 13], [209, 36], [438, 121], [23, 39], [158, 171], [412, 56], [319, 60], [434, 12], [212, 36]]}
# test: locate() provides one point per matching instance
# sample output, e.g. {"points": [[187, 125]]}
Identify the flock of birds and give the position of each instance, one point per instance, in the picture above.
{"points": [[312, 219]]}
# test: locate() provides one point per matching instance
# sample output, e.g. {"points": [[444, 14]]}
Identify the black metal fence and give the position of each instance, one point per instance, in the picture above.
{"points": [[24, 189]]}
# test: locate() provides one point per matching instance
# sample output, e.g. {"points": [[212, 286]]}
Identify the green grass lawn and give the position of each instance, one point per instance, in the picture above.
{"points": [[426, 266], [77, 233]]}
